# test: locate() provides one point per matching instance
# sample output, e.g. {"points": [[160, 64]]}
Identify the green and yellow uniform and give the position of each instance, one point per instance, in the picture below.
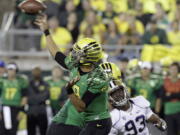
{"points": [[55, 89], [147, 88], [12, 91], [95, 81]]}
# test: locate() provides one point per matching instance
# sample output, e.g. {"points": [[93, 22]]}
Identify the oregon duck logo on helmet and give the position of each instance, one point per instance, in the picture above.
{"points": [[87, 51]]}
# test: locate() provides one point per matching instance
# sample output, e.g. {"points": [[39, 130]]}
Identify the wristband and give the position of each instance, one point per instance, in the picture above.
{"points": [[70, 91], [46, 32]]}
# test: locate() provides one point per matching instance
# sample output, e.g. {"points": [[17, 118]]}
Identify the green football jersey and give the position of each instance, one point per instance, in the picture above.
{"points": [[95, 81], [55, 89], [11, 90], [146, 88]]}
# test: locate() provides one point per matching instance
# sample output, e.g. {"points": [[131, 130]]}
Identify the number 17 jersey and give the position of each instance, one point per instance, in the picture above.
{"points": [[133, 121]]}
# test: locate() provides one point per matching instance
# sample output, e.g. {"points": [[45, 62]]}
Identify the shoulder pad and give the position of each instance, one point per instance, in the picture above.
{"points": [[140, 101]]}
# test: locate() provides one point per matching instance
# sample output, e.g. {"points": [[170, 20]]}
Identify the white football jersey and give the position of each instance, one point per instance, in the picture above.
{"points": [[132, 121]]}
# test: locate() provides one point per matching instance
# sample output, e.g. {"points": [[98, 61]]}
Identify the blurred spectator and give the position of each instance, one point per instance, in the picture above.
{"points": [[84, 8], [98, 5], [121, 22], [123, 63], [57, 92], [131, 4], [161, 17], [164, 65], [108, 14], [66, 8], [171, 97], [88, 32], [60, 35], [111, 36], [13, 93], [174, 34], [119, 5], [140, 15], [132, 36], [146, 84], [92, 20], [124, 21], [2, 68], [154, 35], [175, 14], [73, 26], [37, 95], [148, 6], [52, 8], [131, 19]]}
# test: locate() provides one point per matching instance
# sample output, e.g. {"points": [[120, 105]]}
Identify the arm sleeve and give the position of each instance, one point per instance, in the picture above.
{"points": [[60, 59], [88, 97], [149, 112]]}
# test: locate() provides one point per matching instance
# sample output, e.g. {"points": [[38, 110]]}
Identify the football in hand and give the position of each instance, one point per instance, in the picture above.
{"points": [[32, 6]]}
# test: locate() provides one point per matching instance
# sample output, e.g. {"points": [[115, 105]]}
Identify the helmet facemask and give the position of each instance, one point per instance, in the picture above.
{"points": [[118, 95], [87, 52], [78, 55]]}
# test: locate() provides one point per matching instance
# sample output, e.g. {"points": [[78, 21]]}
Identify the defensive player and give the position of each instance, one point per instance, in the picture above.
{"points": [[130, 115], [87, 92]]}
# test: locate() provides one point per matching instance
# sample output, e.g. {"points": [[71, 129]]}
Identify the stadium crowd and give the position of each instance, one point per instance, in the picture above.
{"points": [[154, 24], [112, 23]]}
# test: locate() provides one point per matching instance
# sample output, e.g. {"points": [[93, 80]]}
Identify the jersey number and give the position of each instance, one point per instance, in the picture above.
{"points": [[10, 93], [130, 125], [55, 92]]}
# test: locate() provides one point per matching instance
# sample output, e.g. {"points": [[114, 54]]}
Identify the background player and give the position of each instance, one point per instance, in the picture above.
{"points": [[13, 92], [56, 89], [130, 115]]}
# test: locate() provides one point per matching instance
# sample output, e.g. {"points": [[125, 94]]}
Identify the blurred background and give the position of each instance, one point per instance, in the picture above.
{"points": [[141, 36]]}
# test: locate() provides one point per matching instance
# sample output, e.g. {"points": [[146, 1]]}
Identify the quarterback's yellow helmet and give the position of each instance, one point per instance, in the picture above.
{"points": [[88, 51]]}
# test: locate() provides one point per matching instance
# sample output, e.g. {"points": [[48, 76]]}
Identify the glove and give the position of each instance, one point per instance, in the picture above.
{"points": [[161, 125], [70, 84]]}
